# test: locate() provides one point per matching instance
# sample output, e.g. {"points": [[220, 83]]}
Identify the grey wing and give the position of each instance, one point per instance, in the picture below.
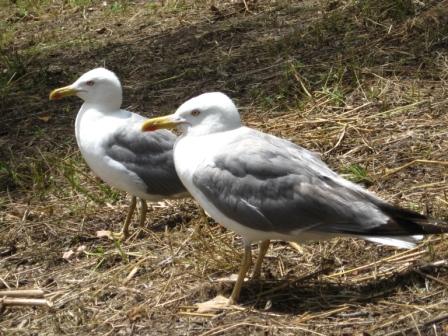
{"points": [[270, 184], [150, 156]]}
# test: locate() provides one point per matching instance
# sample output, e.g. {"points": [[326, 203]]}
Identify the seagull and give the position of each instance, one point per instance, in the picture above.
{"points": [[116, 150], [267, 188]]}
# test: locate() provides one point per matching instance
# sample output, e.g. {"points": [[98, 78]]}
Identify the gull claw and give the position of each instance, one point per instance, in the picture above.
{"points": [[112, 235]]}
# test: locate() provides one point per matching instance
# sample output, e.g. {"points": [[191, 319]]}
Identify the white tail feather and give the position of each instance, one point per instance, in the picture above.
{"points": [[406, 242]]}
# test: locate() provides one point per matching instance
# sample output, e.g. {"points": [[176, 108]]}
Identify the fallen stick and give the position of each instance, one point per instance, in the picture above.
{"points": [[422, 325], [423, 274], [297, 247], [24, 302], [196, 314], [131, 274], [307, 317], [396, 170], [27, 293]]}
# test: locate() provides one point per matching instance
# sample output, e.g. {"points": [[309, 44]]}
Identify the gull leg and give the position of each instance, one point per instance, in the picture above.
{"points": [[245, 264], [220, 302], [144, 210], [125, 230], [264, 245], [124, 233]]}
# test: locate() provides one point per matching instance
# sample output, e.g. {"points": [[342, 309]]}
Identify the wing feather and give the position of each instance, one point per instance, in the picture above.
{"points": [[270, 184], [150, 156]]}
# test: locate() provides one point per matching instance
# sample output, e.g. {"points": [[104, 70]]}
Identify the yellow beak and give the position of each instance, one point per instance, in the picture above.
{"points": [[166, 122], [62, 92]]}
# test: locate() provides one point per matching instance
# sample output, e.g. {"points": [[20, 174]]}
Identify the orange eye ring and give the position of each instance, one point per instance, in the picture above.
{"points": [[195, 113]]}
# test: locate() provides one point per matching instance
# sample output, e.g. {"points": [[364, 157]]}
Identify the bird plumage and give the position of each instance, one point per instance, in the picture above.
{"points": [[264, 187], [111, 143]]}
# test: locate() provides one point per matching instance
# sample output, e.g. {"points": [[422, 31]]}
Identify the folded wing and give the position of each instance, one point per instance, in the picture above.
{"points": [[270, 184], [150, 156]]}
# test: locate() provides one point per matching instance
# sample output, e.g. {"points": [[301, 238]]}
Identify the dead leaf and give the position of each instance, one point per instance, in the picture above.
{"points": [[104, 233], [44, 117], [230, 278], [68, 254], [81, 249], [217, 304], [136, 313]]}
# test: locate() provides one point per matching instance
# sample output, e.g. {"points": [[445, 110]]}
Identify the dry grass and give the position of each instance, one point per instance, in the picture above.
{"points": [[361, 82]]}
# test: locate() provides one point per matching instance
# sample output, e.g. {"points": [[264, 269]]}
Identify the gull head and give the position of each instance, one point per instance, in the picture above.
{"points": [[98, 86], [207, 113]]}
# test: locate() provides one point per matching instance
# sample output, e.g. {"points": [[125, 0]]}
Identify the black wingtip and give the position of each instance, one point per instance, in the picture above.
{"points": [[407, 222]]}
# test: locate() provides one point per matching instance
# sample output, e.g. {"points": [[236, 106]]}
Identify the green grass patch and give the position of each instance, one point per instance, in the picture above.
{"points": [[357, 174]]}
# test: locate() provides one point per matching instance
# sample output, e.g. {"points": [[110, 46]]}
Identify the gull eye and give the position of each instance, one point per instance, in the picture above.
{"points": [[90, 83], [195, 113]]}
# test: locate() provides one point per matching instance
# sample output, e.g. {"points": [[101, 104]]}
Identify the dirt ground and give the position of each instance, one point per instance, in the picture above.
{"points": [[361, 82]]}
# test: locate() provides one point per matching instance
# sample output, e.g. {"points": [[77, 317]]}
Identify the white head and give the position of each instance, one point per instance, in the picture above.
{"points": [[208, 113], [97, 87]]}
